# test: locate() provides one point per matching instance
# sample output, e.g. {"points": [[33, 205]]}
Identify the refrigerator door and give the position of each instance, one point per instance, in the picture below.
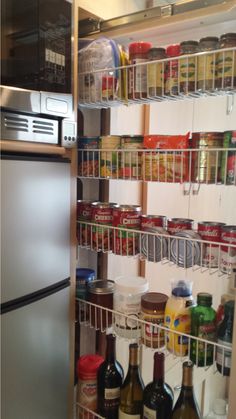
{"points": [[35, 222], [35, 359]]}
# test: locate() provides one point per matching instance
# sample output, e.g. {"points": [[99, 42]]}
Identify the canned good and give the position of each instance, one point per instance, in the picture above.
{"points": [[188, 67], [185, 252], [131, 160], [128, 217], [148, 221], [88, 159], [206, 162], [100, 292], [210, 231], [84, 212], [153, 311], [226, 63], [228, 161], [228, 254], [174, 225], [207, 64], [154, 247], [156, 72], [109, 162], [102, 213]]}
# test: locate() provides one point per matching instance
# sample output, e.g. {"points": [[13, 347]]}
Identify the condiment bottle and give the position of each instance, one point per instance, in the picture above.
{"points": [[203, 325], [226, 62], [137, 75], [172, 71], [187, 67], [153, 311], [207, 64], [156, 72], [224, 337]]}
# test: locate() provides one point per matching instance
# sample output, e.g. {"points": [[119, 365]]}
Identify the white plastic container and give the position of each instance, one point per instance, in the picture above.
{"points": [[127, 300]]}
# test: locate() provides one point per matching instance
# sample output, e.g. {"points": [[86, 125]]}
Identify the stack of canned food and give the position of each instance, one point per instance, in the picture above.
{"points": [[123, 230], [162, 158]]}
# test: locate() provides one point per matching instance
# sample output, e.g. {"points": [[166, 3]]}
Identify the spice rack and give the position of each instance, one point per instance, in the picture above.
{"points": [[110, 86]]}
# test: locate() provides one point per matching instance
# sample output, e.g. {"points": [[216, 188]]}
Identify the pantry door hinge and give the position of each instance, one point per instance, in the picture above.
{"points": [[166, 11]]}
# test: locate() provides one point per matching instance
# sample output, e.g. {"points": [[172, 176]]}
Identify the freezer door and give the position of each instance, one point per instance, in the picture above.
{"points": [[35, 223], [35, 359]]}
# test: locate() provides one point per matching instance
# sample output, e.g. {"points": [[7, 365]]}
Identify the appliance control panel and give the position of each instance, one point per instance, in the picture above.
{"points": [[69, 134]]}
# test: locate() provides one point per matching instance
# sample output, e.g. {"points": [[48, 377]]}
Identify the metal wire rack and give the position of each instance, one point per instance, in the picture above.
{"points": [[208, 73]]}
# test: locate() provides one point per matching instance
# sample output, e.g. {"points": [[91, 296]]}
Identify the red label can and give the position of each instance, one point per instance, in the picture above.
{"points": [[102, 213], [84, 212], [148, 221], [228, 254], [177, 224], [128, 217], [210, 231]]}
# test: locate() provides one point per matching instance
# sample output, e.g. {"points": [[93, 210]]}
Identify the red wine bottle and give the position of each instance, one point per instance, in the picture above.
{"points": [[158, 396], [109, 381]]}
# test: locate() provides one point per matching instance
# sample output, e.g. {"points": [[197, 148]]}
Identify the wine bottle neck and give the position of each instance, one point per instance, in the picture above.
{"points": [[187, 381], [159, 368], [111, 349]]}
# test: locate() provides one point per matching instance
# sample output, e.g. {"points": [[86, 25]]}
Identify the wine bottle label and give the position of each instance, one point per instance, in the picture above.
{"points": [[149, 413], [112, 393], [123, 415]]}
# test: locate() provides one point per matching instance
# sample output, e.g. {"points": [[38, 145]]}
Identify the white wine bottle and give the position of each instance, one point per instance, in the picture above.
{"points": [[186, 406], [131, 393]]}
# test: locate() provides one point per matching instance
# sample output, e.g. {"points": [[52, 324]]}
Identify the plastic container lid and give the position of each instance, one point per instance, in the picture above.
{"points": [[131, 284], [181, 288], [100, 286], [154, 301], [85, 273], [139, 47], [88, 365], [173, 50]]}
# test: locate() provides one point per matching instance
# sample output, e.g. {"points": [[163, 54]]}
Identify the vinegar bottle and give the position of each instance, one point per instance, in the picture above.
{"points": [[186, 406], [131, 395], [157, 396]]}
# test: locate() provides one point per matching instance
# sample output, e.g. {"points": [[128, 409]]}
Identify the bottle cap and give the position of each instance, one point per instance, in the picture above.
{"points": [[173, 50], [181, 288], [219, 406], [204, 299], [139, 47]]}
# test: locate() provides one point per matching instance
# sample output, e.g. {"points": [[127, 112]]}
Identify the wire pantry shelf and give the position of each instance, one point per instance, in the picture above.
{"points": [[174, 344], [82, 412], [200, 166], [184, 249], [208, 73]]}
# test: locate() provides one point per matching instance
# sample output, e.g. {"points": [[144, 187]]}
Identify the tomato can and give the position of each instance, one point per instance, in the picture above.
{"points": [[131, 158], [148, 221], [228, 254], [128, 217], [210, 231], [84, 213], [102, 214], [174, 225]]}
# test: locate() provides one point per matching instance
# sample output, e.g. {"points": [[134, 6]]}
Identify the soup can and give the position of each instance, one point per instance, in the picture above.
{"points": [[87, 158], [183, 251], [149, 221], [84, 213], [109, 162], [131, 158], [210, 231], [228, 254], [102, 214], [154, 247], [126, 217], [174, 225]]}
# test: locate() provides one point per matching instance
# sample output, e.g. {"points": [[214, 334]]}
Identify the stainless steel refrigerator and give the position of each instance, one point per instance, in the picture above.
{"points": [[35, 262]]}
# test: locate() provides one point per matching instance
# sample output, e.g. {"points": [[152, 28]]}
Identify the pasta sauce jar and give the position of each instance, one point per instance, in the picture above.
{"points": [[153, 310], [100, 292]]}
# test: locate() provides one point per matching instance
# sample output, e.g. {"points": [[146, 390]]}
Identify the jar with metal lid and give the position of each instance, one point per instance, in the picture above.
{"points": [[188, 66], [226, 63], [172, 70], [137, 75], [100, 292], [207, 64], [153, 311], [156, 72]]}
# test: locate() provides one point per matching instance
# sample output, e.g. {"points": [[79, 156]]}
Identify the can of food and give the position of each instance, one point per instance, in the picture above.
{"points": [[210, 231], [102, 213], [131, 160], [228, 161], [206, 162], [174, 225], [183, 251], [148, 221], [100, 293], [228, 254], [154, 247], [153, 311], [109, 161], [129, 217], [84, 213], [87, 158]]}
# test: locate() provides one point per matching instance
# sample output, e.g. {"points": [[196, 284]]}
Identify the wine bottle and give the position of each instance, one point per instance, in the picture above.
{"points": [[109, 380], [186, 406], [157, 395], [131, 394]]}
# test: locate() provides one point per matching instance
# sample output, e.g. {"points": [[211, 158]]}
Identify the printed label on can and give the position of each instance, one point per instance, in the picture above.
{"points": [[126, 243]]}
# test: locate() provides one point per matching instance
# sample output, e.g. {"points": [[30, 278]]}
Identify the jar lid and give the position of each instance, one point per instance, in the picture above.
{"points": [[88, 365], [231, 35], [153, 52], [154, 301], [101, 286], [131, 284], [186, 43], [173, 50], [139, 47], [205, 299], [209, 39], [181, 288], [85, 273]]}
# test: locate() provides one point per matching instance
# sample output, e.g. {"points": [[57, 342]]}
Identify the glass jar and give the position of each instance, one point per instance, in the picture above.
{"points": [[172, 71], [156, 72], [226, 63], [207, 64], [153, 311], [127, 301], [100, 292], [187, 67], [137, 75]]}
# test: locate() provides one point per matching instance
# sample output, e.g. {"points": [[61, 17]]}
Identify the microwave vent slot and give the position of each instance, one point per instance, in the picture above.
{"points": [[43, 127], [16, 123]]}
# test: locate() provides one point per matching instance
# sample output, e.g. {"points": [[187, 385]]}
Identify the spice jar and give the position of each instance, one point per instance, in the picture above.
{"points": [[207, 64], [100, 292], [127, 300], [226, 62], [137, 75], [156, 72], [172, 71], [153, 310], [187, 67]]}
